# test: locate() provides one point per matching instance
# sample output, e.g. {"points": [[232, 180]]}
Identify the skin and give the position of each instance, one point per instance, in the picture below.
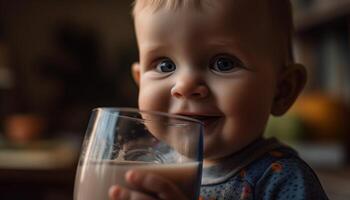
{"points": [[218, 64]]}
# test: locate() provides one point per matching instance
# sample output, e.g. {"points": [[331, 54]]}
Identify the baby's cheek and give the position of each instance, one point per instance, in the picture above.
{"points": [[153, 97], [245, 116]]}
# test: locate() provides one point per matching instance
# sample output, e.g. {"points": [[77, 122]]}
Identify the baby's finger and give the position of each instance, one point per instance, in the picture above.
{"points": [[152, 183], [122, 193]]}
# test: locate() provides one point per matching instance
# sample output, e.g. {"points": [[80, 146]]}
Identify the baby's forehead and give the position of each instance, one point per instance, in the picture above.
{"points": [[253, 9], [264, 21], [246, 15]]}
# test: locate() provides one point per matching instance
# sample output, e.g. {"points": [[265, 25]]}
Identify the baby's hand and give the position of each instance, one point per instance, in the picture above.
{"points": [[145, 186]]}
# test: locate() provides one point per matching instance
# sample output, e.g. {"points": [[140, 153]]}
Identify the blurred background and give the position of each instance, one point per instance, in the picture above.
{"points": [[61, 59]]}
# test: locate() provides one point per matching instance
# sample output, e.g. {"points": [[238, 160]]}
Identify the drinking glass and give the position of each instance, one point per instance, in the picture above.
{"points": [[120, 139]]}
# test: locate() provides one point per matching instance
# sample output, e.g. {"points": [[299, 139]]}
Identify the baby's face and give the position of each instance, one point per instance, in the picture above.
{"points": [[213, 64]]}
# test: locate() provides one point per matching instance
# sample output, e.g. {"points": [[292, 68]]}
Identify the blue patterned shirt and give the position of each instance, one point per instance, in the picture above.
{"points": [[265, 169]]}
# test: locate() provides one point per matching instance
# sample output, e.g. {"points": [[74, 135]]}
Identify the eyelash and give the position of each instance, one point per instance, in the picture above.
{"points": [[234, 61]]}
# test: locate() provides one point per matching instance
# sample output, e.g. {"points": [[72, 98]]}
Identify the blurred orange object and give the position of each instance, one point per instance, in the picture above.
{"points": [[326, 117], [22, 128]]}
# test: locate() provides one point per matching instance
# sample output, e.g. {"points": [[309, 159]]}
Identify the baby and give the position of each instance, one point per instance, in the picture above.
{"points": [[229, 64]]}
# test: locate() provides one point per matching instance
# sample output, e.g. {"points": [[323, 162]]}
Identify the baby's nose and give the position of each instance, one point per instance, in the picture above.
{"points": [[189, 88]]}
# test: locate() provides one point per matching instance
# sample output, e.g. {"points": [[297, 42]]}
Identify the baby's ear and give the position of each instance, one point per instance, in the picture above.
{"points": [[291, 82], [135, 70]]}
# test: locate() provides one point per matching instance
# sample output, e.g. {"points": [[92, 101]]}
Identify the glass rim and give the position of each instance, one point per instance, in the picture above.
{"points": [[136, 110]]}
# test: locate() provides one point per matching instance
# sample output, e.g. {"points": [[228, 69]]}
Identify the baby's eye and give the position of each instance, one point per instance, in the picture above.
{"points": [[165, 66], [225, 64]]}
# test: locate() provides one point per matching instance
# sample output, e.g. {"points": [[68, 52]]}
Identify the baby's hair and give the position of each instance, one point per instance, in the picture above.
{"points": [[279, 14], [168, 4]]}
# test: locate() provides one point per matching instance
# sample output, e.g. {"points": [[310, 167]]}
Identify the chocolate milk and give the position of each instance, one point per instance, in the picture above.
{"points": [[95, 178]]}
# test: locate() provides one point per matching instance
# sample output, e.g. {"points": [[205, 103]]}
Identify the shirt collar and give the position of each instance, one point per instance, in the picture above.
{"points": [[226, 168]]}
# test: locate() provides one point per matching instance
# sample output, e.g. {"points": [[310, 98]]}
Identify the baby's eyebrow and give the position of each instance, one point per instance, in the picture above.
{"points": [[223, 42], [234, 46], [149, 52], [153, 48]]}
